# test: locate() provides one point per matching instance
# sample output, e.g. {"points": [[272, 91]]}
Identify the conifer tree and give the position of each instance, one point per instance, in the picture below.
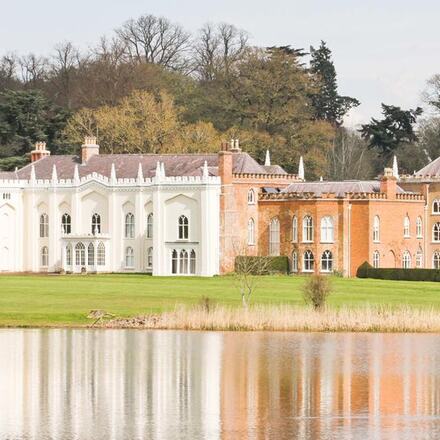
{"points": [[327, 103]]}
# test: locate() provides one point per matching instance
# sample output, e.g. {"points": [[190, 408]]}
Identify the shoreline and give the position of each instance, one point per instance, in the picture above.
{"points": [[282, 318]]}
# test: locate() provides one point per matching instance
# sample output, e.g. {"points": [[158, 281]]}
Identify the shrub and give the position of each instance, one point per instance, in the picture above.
{"points": [[206, 303], [262, 265], [365, 270], [316, 290]]}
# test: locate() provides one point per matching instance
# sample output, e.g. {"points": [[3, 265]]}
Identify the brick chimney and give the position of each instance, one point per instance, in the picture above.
{"points": [[89, 148], [39, 152], [225, 167], [388, 184]]}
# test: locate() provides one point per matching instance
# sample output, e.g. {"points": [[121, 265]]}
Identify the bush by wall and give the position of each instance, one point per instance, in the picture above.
{"points": [[365, 270], [262, 265]]}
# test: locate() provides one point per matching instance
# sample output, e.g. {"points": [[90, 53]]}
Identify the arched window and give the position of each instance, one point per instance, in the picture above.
{"points": [[436, 260], [309, 261], [183, 227], [91, 254], [192, 262], [294, 228], [44, 256], [307, 234], [274, 237], [406, 226], [376, 259], [251, 197], [68, 255], [96, 224], [326, 261], [436, 207], [80, 254], [294, 261], [66, 224], [419, 258], [327, 235], [149, 258], [436, 232], [251, 232], [129, 225], [129, 257], [183, 262], [100, 255], [419, 227], [406, 260], [150, 225], [376, 229], [44, 225], [174, 261]]}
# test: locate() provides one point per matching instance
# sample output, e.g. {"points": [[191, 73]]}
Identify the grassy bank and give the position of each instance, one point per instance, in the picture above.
{"points": [[34, 300], [289, 318]]}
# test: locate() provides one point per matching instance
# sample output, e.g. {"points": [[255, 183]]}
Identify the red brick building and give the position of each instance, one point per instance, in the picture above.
{"points": [[329, 226]]}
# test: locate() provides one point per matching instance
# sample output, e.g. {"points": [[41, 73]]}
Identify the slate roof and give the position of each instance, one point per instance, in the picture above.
{"points": [[432, 169], [339, 188], [126, 165]]}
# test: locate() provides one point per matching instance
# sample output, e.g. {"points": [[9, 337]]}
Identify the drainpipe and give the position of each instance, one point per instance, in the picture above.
{"points": [[349, 240]]}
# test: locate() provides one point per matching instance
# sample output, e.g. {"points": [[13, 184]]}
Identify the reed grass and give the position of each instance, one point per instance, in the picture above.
{"points": [[289, 318]]}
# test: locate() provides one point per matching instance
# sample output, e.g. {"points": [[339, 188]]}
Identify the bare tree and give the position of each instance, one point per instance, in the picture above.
{"points": [[8, 71], [217, 48], [156, 40], [248, 270], [349, 157], [64, 66], [33, 69]]}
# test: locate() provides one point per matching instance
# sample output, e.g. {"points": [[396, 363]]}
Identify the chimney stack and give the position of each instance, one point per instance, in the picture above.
{"points": [[388, 184], [39, 152], [235, 146], [89, 148]]}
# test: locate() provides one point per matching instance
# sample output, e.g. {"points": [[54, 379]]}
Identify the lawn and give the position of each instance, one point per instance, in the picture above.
{"points": [[34, 300]]}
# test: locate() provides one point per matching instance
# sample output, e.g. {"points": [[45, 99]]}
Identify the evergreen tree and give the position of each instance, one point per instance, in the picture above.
{"points": [[396, 128], [327, 103]]}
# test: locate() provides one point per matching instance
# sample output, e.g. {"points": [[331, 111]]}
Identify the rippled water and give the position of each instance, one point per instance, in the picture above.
{"points": [[117, 384]]}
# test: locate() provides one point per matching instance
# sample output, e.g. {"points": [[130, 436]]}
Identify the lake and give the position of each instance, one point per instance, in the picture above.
{"points": [[128, 384]]}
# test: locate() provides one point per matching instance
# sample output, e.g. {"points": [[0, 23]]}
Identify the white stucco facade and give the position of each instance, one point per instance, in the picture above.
{"points": [[163, 225]]}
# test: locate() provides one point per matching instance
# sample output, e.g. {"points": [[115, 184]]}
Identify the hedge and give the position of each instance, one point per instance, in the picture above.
{"points": [[271, 264], [365, 270]]}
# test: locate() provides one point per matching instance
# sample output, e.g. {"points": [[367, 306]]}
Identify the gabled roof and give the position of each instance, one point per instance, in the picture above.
{"points": [[338, 188], [432, 169], [127, 165]]}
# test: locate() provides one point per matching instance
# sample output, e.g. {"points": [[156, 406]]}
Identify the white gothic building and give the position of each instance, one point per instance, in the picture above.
{"points": [[110, 213]]}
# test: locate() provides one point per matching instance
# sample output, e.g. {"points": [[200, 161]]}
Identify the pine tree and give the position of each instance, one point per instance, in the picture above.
{"points": [[327, 103]]}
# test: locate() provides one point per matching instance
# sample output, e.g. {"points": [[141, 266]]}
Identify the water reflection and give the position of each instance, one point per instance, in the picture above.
{"points": [[77, 384]]}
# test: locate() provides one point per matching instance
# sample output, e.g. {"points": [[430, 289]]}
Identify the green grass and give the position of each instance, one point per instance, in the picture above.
{"points": [[33, 300]]}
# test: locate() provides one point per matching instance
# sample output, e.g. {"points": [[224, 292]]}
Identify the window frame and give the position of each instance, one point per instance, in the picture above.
{"points": [[100, 254], [66, 223], [251, 232], [129, 226], [149, 257], [419, 227], [307, 229], [251, 199], [274, 237], [436, 260], [310, 260], [80, 254], [183, 227], [406, 260], [436, 232], [328, 261], [435, 207], [44, 225], [149, 232], [327, 229], [129, 257], [294, 229], [406, 227], [44, 256], [376, 229], [376, 259], [294, 259], [96, 224]]}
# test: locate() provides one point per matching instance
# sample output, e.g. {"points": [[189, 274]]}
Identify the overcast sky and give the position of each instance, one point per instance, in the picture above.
{"points": [[384, 51]]}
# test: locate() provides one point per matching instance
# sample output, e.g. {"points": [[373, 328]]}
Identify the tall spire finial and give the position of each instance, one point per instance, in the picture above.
{"points": [[76, 174], [395, 167], [301, 168], [113, 173], [267, 160], [54, 174], [162, 169], [205, 173], [140, 175]]}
